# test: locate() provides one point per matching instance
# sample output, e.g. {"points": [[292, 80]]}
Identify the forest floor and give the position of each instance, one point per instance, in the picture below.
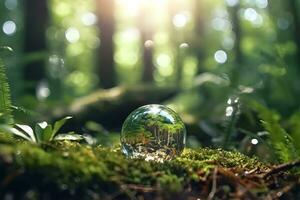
{"points": [[70, 170]]}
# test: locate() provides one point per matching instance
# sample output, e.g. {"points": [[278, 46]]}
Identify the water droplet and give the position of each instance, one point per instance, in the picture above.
{"points": [[153, 132]]}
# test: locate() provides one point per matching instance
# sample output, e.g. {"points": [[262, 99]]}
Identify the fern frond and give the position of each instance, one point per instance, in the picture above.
{"points": [[294, 125], [279, 139], [5, 100]]}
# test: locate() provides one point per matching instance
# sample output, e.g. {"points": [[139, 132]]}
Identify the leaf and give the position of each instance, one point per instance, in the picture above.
{"points": [[28, 130], [16, 132], [58, 125], [5, 101], [47, 133], [69, 136], [6, 48], [39, 130], [279, 139], [294, 124]]}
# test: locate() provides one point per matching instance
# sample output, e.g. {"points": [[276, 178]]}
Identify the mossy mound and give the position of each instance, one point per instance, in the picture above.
{"points": [[69, 170]]}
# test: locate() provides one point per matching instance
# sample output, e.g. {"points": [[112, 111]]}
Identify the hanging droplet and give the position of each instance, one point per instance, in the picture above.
{"points": [[153, 132]]}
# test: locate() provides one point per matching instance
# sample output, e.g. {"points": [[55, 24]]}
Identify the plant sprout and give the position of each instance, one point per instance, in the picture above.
{"points": [[43, 132]]}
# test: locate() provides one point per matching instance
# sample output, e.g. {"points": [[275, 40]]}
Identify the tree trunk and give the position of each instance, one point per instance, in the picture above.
{"points": [[296, 22], [234, 13], [200, 34], [146, 27], [147, 56], [110, 107], [36, 22], [105, 59]]}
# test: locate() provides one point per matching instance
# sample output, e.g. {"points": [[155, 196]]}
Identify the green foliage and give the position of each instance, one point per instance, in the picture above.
{"points": [[5, 101], [43, 132], [294, 126], [283, 144]]}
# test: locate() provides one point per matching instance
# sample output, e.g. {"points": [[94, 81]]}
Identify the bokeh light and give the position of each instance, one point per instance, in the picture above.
{"points": [[11, 4], [89, 19], [72, 35], [220, 56], [9, 27], [180, 20]]}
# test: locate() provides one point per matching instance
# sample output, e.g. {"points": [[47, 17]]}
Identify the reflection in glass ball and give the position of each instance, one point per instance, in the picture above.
{"points": [[154, 132]]}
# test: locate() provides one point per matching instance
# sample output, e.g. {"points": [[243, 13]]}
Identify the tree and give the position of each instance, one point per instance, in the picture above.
{"points": [[146, 30], [293, 7], [36, 22], [236, 28], [200, 34], [105, 58]]}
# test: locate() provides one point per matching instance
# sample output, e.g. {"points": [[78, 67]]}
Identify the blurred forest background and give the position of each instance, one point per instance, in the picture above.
{"points": [[215, 62]]}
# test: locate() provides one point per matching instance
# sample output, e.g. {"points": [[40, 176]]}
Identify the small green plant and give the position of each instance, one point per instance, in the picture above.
{"points": [[43, 132], [5, 101], [283, 144]]}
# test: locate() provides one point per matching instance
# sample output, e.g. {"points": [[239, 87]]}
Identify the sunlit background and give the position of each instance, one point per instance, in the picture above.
{"points": [[176, 30], [236, 46]]}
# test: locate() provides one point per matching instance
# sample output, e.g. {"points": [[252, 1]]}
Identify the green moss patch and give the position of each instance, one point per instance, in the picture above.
{"points": [[69, 170]]}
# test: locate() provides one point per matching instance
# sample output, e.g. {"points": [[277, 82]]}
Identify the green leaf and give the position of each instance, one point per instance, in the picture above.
{"points": [[14, 131], [47, 133], [43, 131], [39, 130], [5, 101], [294, 125], [58, 125], [69, 136], [280, 140]]}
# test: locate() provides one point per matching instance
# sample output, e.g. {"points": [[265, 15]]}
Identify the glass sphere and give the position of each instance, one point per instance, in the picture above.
{"points": [[154, 132]]}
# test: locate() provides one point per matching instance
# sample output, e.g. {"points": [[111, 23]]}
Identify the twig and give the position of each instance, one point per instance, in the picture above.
{"points": [[140, 188], [10, 177], [278, 194], [214, 185], [282, 167]]}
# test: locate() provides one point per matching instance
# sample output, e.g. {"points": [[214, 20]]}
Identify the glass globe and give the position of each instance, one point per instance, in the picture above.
{"points": [[153, 132]]}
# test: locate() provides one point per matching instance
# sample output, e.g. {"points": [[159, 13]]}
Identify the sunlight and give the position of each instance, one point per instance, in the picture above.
{"points": [[134, 8], [89, 19], [184, 45], [72, 35], [62, 9], [163, 60], [9, 27], [148, 43], [232, 3], [262, 3], [131, 34], [11, 4], [220, 56], [42, 90], [220, 24], [180, 20], [255, 18], [131, 6], [228, 42]]}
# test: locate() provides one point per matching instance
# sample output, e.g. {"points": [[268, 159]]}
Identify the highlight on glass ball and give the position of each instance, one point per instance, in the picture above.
{"points": [[153, 132]]}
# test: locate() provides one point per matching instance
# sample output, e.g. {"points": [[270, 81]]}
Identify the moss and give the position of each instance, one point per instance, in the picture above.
{"points": [[73, 170]]}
